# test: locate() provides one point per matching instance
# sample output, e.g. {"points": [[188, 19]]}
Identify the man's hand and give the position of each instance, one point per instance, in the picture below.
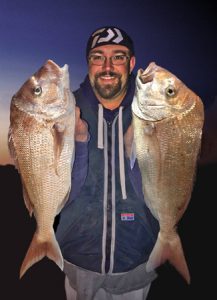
{"points": [[81, 128]]}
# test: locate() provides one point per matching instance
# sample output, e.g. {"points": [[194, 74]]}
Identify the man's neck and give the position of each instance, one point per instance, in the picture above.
{"points": [[111, 103]]}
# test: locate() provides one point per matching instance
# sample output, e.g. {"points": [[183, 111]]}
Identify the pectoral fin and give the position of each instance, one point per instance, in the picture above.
{"points": [[64, 201], [58, 132], [129, 143], [133, 155], [11, 148], [27, 201]]}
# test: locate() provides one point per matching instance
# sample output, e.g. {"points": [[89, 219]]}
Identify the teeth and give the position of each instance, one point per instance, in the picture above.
{"points": [[107, 77]]}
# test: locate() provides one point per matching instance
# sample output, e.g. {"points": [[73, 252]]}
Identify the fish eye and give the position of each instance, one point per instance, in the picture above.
{"points": [[170, 91], [37, 90]]}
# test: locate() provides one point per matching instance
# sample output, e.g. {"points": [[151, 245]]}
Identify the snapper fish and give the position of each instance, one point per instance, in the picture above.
{"points": [[167, 126], [41, 143]]}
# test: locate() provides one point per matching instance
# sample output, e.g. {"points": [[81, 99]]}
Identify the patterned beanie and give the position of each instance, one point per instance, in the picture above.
{"points": [[109, 35]]}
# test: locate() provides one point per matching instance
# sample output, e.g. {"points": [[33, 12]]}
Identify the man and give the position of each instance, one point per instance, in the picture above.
{"points": [[106, 232]]}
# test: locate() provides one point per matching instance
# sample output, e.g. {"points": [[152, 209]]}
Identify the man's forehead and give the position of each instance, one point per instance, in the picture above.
{"points": [[107, 49]]}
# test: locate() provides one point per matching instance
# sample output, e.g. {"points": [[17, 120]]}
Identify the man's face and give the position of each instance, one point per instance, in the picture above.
{"points": [[109, 81]]}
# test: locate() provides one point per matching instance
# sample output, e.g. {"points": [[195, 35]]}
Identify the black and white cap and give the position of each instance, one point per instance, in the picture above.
{"points": [[109, 35]]}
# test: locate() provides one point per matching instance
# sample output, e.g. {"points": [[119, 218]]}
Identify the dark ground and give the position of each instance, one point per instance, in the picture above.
{"points": [[44, 280]]}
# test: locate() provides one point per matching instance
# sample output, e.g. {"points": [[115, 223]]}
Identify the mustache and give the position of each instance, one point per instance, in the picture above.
{"points": [[109, 73]]}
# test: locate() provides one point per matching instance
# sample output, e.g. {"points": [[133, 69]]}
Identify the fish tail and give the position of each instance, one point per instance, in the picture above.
{"points": [[171, 251], [38, 249]]}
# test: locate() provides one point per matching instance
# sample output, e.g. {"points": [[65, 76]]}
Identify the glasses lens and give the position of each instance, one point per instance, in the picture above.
{"points": [[97, 60], [119, 59]]}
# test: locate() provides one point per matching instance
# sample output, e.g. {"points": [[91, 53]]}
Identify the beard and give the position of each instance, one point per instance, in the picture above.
{"points": [[108, 91]]}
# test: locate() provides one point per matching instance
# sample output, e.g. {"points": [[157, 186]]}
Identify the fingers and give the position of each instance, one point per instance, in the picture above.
{"points": [[81, 128], [77, 113]]}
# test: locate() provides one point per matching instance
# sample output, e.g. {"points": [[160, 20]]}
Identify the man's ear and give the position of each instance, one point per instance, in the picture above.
{"points": [[132, 63]]}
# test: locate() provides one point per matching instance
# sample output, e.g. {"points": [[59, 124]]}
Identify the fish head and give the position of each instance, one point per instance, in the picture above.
{"points": [[44, 92], [160, 94]]}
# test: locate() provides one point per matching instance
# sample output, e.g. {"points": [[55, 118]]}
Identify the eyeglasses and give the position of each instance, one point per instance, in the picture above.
{"points": [[116, 60]]}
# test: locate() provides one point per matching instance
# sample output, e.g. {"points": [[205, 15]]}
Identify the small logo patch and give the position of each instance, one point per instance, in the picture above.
{"points": [[127, 217]]}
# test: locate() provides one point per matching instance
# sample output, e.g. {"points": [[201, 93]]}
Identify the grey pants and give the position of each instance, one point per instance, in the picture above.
{"points": [[101, 294], [81, 284]]}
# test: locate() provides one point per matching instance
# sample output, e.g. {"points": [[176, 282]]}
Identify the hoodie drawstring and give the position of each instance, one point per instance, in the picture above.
{"points": [[121, 153], [100, 143]]}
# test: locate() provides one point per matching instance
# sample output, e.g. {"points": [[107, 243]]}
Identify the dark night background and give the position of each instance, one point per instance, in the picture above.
{"points": [[179, 36]]}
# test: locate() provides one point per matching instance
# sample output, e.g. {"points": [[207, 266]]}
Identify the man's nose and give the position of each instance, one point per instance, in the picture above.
{"points": [[107, 64]]}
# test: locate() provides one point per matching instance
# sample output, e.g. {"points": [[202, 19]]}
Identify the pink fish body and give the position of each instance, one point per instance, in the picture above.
{"points": [[41, 142], [167, 124]]}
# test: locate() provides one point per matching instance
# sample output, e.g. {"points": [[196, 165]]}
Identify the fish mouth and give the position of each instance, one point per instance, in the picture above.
{"points": [[65, 76], [61, 72], [146, 78], [65, 68], [52, 63], [147, 75]]}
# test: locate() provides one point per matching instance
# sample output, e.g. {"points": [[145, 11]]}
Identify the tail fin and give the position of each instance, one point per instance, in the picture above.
{"points": [[169, 250], [39, 249]]}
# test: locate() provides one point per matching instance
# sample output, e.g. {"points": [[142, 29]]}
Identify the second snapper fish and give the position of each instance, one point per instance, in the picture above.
{"points": [[41, 143], [167, 125]]}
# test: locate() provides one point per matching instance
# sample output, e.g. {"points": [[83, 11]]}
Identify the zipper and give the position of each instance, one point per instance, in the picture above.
{"points": [[109, 200]]}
